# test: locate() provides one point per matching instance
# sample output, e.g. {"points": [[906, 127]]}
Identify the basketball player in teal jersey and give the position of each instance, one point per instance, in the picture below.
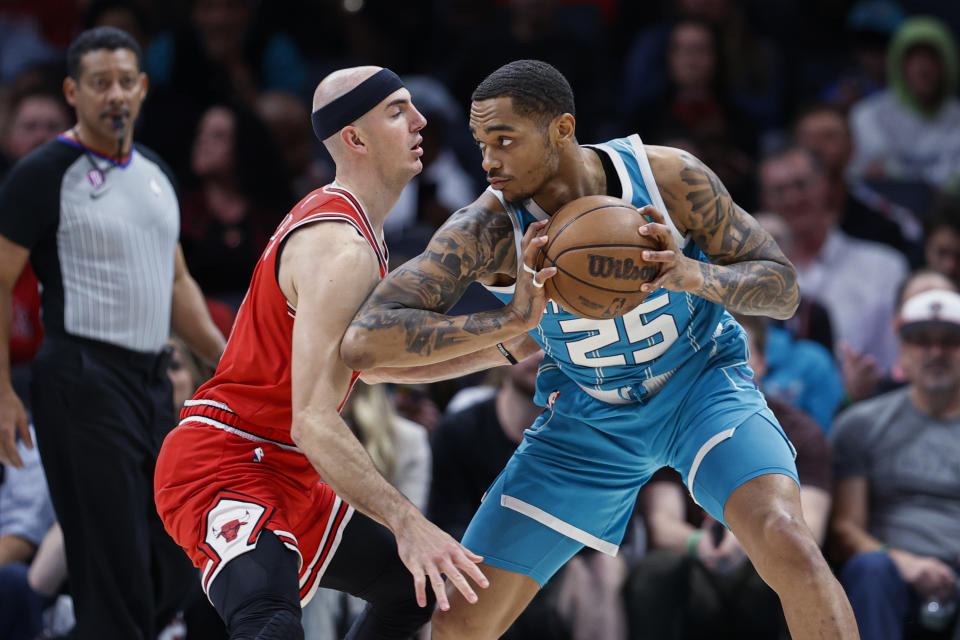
{"points": [[667, 384]]}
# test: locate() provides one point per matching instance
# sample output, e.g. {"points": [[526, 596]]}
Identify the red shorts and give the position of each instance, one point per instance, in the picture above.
{"points": [[216, 491]]}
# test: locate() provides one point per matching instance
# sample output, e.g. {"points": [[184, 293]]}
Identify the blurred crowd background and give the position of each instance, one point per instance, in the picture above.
{"points": [[836, 123]]}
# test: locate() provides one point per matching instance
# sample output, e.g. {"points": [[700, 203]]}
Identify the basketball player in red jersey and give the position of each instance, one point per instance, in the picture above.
{"points": [[237, 482]]}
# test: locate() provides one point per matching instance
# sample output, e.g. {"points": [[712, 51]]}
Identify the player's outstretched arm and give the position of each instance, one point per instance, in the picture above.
{"points": [[324, 268], [748, 273], [520, 347], [403, 324]]}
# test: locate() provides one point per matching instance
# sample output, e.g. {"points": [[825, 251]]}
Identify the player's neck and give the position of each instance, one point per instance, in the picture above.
{"points": [[376, 198], [580, 173]]}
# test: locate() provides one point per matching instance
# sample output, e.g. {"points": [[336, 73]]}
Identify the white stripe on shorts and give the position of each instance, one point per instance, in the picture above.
{"points": [[558, 525]]}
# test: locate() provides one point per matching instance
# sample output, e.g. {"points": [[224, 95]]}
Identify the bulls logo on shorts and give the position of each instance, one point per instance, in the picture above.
{"points": [[232, 523], [232, 527], [229, 530]]}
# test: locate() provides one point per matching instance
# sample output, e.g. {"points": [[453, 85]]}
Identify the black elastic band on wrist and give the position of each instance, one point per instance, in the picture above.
{"points": [[506, 354], [329, 119]]}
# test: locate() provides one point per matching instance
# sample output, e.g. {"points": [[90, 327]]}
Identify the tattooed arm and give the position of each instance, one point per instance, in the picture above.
{"points": [[748, 273], [520, 347], [402, 323]]}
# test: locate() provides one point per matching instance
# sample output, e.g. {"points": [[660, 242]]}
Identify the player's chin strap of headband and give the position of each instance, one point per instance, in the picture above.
{"points": [[329, 119]]}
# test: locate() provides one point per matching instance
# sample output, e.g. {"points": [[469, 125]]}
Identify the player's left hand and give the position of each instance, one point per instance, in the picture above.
{"points": [[677, 271]]}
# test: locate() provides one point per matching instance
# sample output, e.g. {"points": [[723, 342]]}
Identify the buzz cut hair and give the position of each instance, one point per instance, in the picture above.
{"points": [[109, 38], [536, 89]]}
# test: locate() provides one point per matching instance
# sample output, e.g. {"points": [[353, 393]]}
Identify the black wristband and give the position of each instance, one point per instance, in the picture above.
{"points": [[506, 354]]}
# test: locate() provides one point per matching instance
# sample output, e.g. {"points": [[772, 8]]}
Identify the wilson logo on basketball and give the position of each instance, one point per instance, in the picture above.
{"points": [[607, 267]]}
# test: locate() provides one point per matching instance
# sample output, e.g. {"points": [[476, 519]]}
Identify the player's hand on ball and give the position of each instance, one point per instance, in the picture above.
{"points": [[677, 271], [529, 298]]}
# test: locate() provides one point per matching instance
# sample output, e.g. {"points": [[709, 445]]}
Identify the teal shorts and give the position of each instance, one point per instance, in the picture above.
{"points": [[572, 483]]}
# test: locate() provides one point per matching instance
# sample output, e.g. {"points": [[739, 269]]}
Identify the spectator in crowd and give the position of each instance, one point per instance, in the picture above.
{"points": [[287, 117], [221, 52], [862, 383], [470, 447], [26, 513], [27, 590], [911, 130], [399, 448], [101, 400], [869, 27], [35, 117], [696, 581], [126, 15], [797, 371], [240, 196], [896, 521], [854, 279], [753, 69], [220, 55], [942, 237], [863, 213], [811, 320], [22, 44], [695, 102]]}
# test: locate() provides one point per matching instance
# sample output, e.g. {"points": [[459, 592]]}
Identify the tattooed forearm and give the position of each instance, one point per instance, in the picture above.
{"points": [[403, 321], [749, 274], [759, 288], [425, 333]]}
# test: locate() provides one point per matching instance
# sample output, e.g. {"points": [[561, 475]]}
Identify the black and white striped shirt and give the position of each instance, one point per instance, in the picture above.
{"points": [[102, 237]]}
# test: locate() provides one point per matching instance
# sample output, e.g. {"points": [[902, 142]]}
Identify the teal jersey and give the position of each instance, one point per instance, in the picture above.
{"points": [[628, 358]]}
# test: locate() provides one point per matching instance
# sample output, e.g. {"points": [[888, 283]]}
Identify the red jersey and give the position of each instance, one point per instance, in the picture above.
{"points": [[249, 395]]}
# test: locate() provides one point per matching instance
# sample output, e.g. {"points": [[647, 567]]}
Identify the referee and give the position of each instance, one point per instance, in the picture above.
{"points": [[98, 219]]}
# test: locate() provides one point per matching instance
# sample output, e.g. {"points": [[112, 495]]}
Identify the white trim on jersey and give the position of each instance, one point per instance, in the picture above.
{"points": [[321, 216], [621, 168], [535, 210], [648, 180], [337, 537], [379, 245], [558, 525], [208, 403], [246, 435]]}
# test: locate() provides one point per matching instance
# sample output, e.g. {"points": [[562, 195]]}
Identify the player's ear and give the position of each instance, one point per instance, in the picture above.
{"points": [[351, 138], [564, 128]]}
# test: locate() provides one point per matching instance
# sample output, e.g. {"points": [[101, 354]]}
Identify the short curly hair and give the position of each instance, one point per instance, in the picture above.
{"points": [[537, 89]]}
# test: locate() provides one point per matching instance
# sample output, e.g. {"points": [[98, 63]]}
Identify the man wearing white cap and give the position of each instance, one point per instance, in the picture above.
{"points": [[896, 504]]}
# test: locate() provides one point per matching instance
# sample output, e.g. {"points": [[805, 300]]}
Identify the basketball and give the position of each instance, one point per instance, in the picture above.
{"points": [[594, 244]]}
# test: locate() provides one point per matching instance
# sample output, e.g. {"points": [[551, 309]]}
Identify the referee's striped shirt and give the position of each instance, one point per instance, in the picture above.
{"points": [[101, 235]]}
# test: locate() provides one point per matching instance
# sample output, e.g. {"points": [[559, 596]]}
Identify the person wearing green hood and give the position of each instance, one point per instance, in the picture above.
{"points": [[911, 130]]}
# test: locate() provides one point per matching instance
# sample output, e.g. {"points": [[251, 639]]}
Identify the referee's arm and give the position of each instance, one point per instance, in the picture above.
{"points": [[13, 417], [190, 319]]}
